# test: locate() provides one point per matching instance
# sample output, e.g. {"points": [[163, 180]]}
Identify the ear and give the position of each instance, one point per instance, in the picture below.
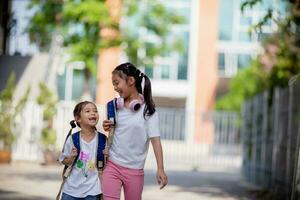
{"points": [[77, 119], [131, 81]]}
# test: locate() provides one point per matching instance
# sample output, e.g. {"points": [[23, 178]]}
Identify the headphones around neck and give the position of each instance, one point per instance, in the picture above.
{"points": [[134, 105]]}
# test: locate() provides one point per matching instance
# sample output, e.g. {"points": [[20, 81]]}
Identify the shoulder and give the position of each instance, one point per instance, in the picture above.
{"points": [[152, 120], [154, 116]]}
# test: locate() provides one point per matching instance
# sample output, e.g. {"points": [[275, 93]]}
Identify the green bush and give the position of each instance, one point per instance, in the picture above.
{"points": [[8, 112], [48, 100]]}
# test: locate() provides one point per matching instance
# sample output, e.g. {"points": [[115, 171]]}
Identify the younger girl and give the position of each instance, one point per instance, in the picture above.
{"points": [[136, 125], [83, 182]]}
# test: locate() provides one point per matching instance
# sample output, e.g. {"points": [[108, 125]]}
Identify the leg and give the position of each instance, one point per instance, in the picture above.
{"points": [[111, 182], [133, 184]]}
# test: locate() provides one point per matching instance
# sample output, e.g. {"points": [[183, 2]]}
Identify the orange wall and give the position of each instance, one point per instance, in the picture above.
{"points": [[109, 58], [206, 69]]}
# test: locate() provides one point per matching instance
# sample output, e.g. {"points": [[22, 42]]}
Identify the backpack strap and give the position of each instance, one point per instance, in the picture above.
{"points": [[111, 108], [76, 142], [101, 146]]}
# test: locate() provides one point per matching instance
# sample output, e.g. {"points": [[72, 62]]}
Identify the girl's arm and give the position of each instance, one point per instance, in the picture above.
{"points": [[161, 176], [69, 160]]}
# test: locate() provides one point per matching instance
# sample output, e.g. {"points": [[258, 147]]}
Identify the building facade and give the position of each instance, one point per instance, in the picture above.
{"points": [[187, 84]]}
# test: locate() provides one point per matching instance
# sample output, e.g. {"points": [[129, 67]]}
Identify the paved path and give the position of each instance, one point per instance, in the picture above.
{"points": [[31, 181]]}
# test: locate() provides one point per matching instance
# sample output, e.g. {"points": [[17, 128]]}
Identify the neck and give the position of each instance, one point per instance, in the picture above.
{"points": [[134, 95], [87, 130]]}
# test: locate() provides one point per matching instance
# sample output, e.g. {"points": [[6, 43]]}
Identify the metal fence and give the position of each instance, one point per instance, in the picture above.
{"points": [[270, 133], [224, 151]]}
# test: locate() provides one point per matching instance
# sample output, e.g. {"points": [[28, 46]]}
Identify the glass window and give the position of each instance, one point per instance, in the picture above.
{"points": [[246, 20], [61, 81], [78, 83], [225, 19], [149, 72], [221, 62], [182, 67], [183, 58], [244, 37], [165, 72], [243, 60]]}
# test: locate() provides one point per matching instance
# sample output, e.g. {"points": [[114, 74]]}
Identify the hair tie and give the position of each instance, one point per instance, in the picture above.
{"points": [[73, 123]]}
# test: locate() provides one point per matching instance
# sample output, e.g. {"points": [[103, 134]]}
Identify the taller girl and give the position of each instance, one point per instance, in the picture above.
{"points": [[137, 124]]}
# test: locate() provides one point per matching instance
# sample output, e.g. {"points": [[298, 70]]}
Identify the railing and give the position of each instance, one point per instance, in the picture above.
{"points": [[223, 151]]}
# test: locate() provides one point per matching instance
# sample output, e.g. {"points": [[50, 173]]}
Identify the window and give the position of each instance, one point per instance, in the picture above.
{"points": [[221, 62], [234, 25], [230, 63], [149, 72], [226, 19], [243, 60], [172, 65]]}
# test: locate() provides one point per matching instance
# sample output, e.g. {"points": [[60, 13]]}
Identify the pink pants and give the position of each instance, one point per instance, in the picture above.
{"points": [[116, 176]]}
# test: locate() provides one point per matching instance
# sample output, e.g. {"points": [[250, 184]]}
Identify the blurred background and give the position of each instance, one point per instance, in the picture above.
{"points": [[225, 81]]}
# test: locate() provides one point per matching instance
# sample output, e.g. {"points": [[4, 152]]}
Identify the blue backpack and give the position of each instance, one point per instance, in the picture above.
{"points": [[76, 141], [100, 147]]}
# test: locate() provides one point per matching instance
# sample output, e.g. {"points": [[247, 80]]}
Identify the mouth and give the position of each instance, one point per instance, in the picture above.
{"points": [[93, 119], [119, 92]]}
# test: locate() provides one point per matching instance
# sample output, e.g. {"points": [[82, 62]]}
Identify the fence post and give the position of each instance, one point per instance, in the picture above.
{"points": [[294, 89], [275, 137]]}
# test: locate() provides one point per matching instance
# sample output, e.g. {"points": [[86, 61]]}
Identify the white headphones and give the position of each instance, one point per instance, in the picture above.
{"points": [[134, 105]]}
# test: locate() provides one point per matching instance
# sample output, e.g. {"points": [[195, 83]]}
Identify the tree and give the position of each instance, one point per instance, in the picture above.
{"points": [[285, 42], [77, 21], [279, 62], [8, 112], [84, 25], [48, 100], [153, 19], [248, 82]]}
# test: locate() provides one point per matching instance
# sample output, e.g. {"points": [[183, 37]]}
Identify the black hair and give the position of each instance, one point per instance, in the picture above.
{"points": [[76, 113], [129, 69]]}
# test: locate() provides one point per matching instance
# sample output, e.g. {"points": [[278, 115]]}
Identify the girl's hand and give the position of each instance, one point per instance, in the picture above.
{"points": [[74, 152], [105, 152], [107, 125], [162, 178]]}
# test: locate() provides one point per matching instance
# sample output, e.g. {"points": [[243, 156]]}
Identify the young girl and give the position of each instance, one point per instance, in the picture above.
{"points": [[137, 123], [83, 182]]}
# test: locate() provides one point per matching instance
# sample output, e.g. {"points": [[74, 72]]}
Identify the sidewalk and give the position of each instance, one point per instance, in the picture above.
{"points": [[31, 181]]}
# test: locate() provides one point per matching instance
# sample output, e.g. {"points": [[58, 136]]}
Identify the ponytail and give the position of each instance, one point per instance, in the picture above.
{"points": [[149, 103], [73, 125]]}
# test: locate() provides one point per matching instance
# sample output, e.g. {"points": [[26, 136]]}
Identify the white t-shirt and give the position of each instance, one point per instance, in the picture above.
{"points": [[83, 180], [131, 139]]}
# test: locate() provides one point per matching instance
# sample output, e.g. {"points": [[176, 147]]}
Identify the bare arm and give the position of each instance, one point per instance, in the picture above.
{"points": [[161, 176], [69, 160]]}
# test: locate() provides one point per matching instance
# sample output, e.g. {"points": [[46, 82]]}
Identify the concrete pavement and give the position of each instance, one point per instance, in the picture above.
{"points": [[32, 181]]}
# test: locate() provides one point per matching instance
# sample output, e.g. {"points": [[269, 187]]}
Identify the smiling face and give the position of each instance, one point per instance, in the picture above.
{"points": [[88, 116], [123, 84]]}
